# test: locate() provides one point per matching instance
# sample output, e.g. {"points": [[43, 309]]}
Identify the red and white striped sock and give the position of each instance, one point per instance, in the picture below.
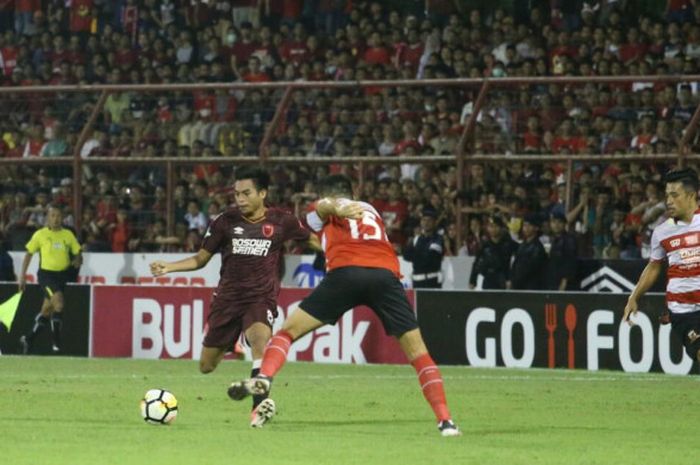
{"points": [[431, 384], [276, 353]]}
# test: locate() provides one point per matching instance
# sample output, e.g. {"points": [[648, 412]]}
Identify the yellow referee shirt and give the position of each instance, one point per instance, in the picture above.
{"points": [[54, 247]]}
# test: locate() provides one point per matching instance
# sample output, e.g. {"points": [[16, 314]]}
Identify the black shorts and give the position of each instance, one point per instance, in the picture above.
{"points": [[352, 286], [52, 282], [687, 327], [227, 320]]}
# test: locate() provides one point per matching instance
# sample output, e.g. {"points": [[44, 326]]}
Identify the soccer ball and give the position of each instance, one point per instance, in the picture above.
{"points": [[159, 407]]}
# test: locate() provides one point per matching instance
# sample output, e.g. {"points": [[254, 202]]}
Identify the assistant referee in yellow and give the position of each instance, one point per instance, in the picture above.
{"points": [[58, 251]]}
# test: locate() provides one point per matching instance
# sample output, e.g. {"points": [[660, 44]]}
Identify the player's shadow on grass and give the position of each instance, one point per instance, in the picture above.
{"points": [[336, 423], [57, 421], [536, 430]]}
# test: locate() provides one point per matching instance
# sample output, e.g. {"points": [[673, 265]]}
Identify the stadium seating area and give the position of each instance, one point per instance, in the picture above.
{"points": [[89, 41]]}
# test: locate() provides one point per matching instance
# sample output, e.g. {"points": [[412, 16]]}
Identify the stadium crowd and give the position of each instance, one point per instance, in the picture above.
{"points": [[615, 206]]}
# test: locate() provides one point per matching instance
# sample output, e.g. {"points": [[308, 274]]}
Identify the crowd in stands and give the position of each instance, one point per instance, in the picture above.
{"points": [[615, 205]]}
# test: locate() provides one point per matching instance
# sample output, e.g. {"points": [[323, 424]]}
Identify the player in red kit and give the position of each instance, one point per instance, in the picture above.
{"points": [[362, 270], [250, 239]]}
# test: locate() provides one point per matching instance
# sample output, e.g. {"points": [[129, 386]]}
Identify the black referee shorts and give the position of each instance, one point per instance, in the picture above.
{"points": [[687, 327], [52, 281], [352, 286]]}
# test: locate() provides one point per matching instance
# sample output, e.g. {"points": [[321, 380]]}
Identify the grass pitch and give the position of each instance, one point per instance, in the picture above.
{"points": [[67, 411]]}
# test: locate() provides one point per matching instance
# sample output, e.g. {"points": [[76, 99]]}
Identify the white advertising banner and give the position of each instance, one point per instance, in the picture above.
{"points": [[133, 268]]}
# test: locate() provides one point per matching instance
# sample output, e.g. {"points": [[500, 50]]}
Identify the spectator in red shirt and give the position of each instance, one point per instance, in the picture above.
{"points": [[549, 114], [619, 139], [566, 139], [634, 49], [376, 53], [254, 72], [295, 50], [563, 47], [119, 232], [128, 18], [34, 141], [244, 45], [81, 15], [265, 50], [645, 133], [394, 212], [8, 56], [532, 137], [412, 53], [410, 138]]}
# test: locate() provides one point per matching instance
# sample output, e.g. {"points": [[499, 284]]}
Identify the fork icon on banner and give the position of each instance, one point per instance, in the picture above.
{"points": [[550, 322]]}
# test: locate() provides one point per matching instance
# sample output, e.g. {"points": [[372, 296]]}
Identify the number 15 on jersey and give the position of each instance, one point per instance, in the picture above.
{"points": [[367, 228]]}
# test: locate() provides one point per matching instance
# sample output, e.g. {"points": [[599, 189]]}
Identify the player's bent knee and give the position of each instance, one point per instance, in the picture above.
{"points": [[412, 344], [300, 323]]}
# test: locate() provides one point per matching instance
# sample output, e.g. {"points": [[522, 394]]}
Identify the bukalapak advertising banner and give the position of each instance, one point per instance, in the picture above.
{"points": [[562, 330], [170, 322]]}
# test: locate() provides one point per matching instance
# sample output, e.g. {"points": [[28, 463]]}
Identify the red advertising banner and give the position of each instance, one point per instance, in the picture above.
{"points": [[160, 322]]}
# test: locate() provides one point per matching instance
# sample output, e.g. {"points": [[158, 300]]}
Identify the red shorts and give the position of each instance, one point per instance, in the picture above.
{"points": [[227, 320]]}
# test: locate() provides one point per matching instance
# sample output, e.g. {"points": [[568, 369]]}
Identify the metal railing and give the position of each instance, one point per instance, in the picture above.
{"points": [[459, 158]]}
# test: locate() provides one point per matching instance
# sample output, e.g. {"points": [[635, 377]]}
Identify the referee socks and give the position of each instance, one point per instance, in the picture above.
{"points": [[56, 324], [40, 321]]}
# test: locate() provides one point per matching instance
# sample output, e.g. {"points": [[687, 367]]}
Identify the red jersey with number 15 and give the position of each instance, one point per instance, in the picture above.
{"points": [[361, 242]]}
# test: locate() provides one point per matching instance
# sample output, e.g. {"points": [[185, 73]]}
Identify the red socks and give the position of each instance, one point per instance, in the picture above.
{"points": [[275, 353], [428, 373], [431, 384]]}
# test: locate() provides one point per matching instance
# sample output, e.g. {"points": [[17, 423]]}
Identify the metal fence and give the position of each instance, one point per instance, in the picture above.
{"points": [[364, 124]]}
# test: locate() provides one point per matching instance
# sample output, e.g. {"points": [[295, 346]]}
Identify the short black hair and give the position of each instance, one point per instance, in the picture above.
{"points": [[260, 177], [686, 176], [497, 220], [337, 185]]}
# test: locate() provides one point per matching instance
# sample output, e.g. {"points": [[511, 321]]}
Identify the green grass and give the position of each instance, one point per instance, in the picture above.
{"points": [[66, 411]]}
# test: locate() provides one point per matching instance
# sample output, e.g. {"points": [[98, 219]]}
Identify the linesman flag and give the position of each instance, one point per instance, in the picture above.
{"points": [[8, 310]]}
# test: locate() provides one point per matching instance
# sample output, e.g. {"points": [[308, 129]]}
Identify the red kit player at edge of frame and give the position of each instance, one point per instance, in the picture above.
{"points": [[250, 239], [362, 270]]}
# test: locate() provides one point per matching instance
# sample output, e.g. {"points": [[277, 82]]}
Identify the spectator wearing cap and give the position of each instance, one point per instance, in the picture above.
{"points": [[425, 251], [530, 263], [493, 260], [561, 269]]}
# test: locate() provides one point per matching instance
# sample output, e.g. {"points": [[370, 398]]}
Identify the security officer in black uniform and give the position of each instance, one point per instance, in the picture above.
{"points": [[529, 267], [493, 260], [563, 256], [425, 251]]}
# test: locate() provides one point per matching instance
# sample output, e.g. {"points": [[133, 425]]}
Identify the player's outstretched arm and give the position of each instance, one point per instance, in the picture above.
{"points": [[338, 207], [195, 262], [315, 243], [646, 280]]}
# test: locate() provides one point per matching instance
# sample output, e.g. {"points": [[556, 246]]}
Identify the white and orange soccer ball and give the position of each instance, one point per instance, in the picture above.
{"points": [[159, 407]]}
